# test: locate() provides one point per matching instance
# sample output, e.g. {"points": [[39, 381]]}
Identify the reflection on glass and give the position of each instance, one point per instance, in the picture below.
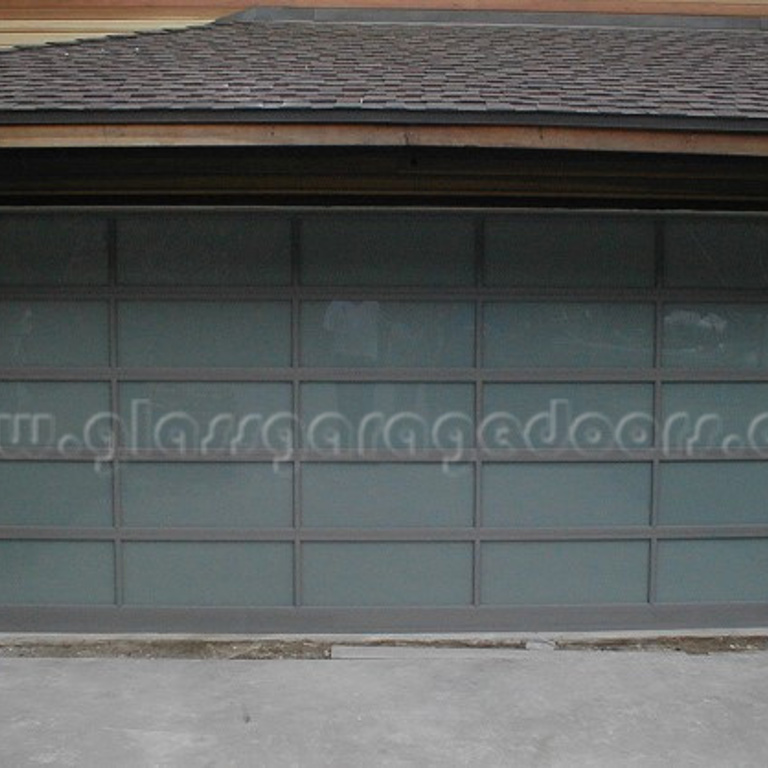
{"points": [[716, 252], [568, 335], [53, 333], [716, 336], [363, 334], [387, 416]]}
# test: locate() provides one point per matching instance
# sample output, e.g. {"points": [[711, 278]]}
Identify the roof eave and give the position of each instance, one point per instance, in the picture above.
{"points": [[339, 128]]}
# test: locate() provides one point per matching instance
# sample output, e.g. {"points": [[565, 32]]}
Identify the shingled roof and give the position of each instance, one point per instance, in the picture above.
{"points": [[385, 72]]}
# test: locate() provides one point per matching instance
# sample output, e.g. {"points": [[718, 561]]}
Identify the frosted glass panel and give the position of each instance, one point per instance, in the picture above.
{"points": [[53, 249], [54, 333], [716, 336], [729, 570], [716, 252], [387, 416], [188, 416], [204, 248], [201, 574], [191, 334], [583, 416], [387, 496], [362, 334], [732, 493], [566, 495], [583, 250], [56, 573], [47, 415], [564, 573], [387, 574], [55, 494], [206, 495], [569, 335], [716, 416], [388, 249]]}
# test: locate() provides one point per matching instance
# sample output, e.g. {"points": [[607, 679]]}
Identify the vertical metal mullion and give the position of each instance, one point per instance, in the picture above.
{"points": [[114, 394], [658, 410], [477, 467], [296, 406]]}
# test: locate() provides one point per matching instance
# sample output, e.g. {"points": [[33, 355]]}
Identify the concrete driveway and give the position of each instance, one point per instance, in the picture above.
{"points": [[436, 708]]}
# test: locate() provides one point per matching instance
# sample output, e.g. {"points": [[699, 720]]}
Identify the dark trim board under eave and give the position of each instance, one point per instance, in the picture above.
{"points": [[389, 175]]}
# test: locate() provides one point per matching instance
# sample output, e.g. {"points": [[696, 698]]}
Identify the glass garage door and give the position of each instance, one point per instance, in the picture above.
{"points": [[339, 420]]}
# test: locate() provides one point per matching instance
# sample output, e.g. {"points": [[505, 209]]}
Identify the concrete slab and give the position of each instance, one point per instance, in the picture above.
{"points": [[530, 709]]}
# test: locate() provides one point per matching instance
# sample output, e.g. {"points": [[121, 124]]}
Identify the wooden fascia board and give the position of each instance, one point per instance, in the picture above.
{"points": [[360, 135]]}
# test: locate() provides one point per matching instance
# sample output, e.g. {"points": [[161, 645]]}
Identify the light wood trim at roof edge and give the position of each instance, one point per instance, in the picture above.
{"points": [[351, 135]]}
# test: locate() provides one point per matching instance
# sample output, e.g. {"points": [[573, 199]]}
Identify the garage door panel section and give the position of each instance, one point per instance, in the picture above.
{"points": [[172, 495], [54, 334], [572, 495], [57, 573], [217, 574], [203, 249], [387, 574], [182, 334], [565, 573], [252, 419], [59, 494], [54, 250], [387, 495]]}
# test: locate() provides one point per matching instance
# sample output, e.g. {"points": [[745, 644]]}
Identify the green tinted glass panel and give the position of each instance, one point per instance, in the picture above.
{"points": [[204, 248], [395, 334], [190, 334], [564, 573], [194, 417], [716, 336], [202, 574], [716, 252], [387, 495], [715, 416], [582, 250], [568, 335], [206, 495], [403, 573], [583, 416], [56, 333], [56, 573], [387, 416], [48, 415], [387, 249], [713, 493], [55, 494], [728, 570], [53, 249], [566, 495]]}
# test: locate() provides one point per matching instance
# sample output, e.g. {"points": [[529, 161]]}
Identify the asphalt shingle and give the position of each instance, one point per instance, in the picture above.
{"points": [[412, 67]]}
